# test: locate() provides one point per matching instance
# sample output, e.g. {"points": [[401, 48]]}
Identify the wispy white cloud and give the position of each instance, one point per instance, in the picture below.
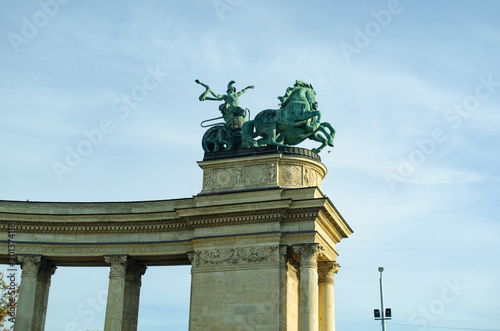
{"points": [[394, 93]]}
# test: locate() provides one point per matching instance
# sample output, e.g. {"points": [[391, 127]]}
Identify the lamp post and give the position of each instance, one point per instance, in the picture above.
{"points": [[382, 314]]}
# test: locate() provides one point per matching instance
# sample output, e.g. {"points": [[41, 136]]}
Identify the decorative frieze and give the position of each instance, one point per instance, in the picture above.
{"points": [[238, 255], [150, 226], [263, 172]]}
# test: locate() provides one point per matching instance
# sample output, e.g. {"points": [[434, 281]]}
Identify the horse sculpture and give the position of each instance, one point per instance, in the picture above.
{"points": [[297, 119]]}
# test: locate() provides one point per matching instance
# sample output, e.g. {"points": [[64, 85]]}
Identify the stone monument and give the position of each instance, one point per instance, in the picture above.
{"points": [[260, 237]]}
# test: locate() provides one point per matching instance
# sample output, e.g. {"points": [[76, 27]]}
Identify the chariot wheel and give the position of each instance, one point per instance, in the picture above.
{"points": [[217, 138]]}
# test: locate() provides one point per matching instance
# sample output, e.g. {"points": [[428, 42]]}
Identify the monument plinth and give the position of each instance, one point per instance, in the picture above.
{"points": [[260, 267], [261, 168]]}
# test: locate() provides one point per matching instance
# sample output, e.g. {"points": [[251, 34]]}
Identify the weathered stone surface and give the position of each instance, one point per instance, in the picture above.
{"points": [[238, 239], [261, 172]]}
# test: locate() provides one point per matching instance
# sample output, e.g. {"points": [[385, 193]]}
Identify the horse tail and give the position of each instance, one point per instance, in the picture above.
{"points": [[248, 135]]}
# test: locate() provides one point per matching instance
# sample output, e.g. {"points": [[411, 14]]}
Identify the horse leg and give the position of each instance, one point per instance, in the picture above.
{"points": [[248, 135], [271, 136], [319, 138], [312, 123], [328, 125], [280, 139], [328, 136]]}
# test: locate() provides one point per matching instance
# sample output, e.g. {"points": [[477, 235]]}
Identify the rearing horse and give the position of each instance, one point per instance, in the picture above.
{"points": [[297, 119]]}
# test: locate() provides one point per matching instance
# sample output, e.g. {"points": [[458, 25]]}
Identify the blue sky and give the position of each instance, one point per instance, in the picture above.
{"points": [[412, 88]]}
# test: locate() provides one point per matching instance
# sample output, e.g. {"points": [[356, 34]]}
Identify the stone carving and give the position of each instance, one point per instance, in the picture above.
{"points": [[308, 254], [118, 265], [256, 174], [235, 255], [30, 264], [326, 270], [223, 178], [264, 173], [291, 175], [46, 271], [134, 271]]}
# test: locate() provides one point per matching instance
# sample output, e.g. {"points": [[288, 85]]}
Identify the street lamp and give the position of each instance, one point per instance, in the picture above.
{"points": [[382, 314]]}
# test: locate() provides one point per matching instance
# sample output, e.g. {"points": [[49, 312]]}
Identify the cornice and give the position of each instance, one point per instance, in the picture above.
{"points": [[196, 218]]}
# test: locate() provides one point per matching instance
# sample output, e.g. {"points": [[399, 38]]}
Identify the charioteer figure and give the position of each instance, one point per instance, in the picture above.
{"points": [[233, 114]]}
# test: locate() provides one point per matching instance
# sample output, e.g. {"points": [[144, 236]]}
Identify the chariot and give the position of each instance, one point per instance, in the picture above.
{"points": [[223, 135], [297, 119]]}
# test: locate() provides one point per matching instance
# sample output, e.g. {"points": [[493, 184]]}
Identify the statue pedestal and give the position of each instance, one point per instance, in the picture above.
{"points": [[256, 251], [261, 168]]}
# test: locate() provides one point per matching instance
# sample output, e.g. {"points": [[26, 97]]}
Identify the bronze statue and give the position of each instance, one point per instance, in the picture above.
{"points": [[231, 106], [297, 119]]}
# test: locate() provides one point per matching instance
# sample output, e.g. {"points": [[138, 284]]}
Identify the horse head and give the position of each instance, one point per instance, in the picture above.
{"points": [[301, 91]]}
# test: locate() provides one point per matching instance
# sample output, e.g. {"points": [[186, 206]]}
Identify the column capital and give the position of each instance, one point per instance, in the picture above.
{"points": [[308, 254], [118, 265], [46, 271], [30, 264], [326, 270], [134, 271]]}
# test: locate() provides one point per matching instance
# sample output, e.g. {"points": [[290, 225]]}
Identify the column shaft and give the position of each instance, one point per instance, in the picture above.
{"points": [[45, 273], [25, 312], [326, 270], [308, 287], [116, 293], [133, 276]]}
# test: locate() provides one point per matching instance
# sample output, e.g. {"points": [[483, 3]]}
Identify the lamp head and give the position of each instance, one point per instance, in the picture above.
{"points": [[381, 269]]}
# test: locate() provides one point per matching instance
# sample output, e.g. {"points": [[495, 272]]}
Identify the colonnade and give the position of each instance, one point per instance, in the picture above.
{"points": [[122, 307], [316, 295]]}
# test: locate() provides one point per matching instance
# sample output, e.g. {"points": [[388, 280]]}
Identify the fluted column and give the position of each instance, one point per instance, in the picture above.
{"points": [[326, 270], [45, 272], [116, 292], [308, 286], [133, 275], [25, 313]]}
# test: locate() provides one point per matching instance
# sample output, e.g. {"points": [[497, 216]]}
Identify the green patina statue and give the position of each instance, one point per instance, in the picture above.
{"points": [[297, 119], [230, 109], [224, 136]]}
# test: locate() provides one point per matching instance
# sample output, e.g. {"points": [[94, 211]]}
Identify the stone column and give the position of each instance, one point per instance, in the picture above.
{"points": [[283, 287], [326, 270], [25, 312], [45, 272], [133, 275], [116, 292], [308, 286]]}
